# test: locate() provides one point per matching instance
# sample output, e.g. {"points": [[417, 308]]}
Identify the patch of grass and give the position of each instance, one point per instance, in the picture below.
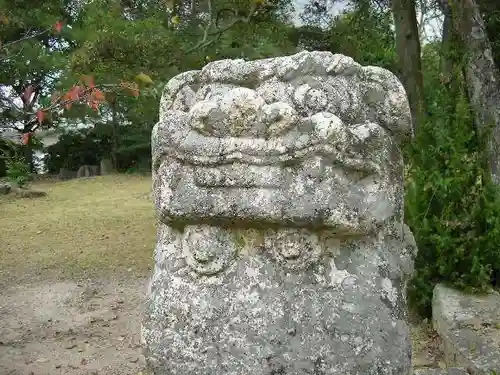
{"points": [[82, 228]]}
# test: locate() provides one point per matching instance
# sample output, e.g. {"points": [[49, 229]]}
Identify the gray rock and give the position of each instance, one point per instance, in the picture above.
{"points": [[5, 188], [66, 174], [83, 171], [106, 167], [87, 171], [94, 170], [448, 371], [469, 326], [281, 247]]}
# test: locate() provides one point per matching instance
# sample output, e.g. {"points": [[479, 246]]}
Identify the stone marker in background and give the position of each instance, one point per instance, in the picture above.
{"points": [[88, 171], [448, 371], [83, 171], [94, 170], [281, 248], [5, 188], [106, 167], [469, 326], [66, 174]]}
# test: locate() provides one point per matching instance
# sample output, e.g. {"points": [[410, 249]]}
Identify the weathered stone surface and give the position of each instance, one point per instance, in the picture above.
{"points": [[106, 167], [87, 171], [448, 371], [66, 174], [469, 326], [281, 248], [94, 170], [83, 171], [4, 188]]}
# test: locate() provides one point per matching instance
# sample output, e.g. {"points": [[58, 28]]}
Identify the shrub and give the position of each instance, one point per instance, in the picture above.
{"points": [[8, 148], [452, 206], [18, 171]]}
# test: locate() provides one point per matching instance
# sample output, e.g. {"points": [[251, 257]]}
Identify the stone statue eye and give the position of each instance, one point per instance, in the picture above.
{"points": [[207, 249]]}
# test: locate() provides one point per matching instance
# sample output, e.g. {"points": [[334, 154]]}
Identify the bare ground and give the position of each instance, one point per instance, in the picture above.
{"points": [[72, 328], [73, 269], [93, 327], [73, 278]]}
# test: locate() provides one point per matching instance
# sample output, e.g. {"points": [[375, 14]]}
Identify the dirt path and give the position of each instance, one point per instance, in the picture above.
{"points": [[69, 328], [93, 328]]}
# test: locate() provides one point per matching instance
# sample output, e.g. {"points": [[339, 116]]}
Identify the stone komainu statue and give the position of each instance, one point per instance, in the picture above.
{"points": [[281, 245]]}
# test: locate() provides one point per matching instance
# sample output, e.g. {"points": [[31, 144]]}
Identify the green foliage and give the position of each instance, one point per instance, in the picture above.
{"points": [[8, 149], [129, 145], [18, 171], [366, 36], [133, 149], [362, 32], [75, 149], [451, 206], [31, 53]]}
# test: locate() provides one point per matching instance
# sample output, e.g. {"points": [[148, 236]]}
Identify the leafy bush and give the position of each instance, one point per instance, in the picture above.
{"points": [[8, 149], [451, 205], [18, 171]]}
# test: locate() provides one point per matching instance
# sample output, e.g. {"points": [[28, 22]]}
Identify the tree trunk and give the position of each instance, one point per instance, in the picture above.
{"points": [[481, 75], [28, 154], [114, 136], [446, 61], [408, 50]]}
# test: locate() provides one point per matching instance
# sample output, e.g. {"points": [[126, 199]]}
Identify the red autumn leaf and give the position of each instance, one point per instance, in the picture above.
{"points": [[98, 95], [74, 93], [95, 99], [88, 81], [40, 116], [58, 26], [26, 138], [67, 101]]}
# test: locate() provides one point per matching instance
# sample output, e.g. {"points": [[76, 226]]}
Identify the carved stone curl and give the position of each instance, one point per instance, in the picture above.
{"points": [[293, 249], [207, 249]]}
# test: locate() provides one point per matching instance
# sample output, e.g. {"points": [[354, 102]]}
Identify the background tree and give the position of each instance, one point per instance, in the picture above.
{"points": [[408, 49], [31, 53], [480, 73]]}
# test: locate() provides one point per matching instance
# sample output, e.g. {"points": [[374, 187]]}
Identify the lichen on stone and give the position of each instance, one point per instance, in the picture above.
{"points": [[283, 250]]}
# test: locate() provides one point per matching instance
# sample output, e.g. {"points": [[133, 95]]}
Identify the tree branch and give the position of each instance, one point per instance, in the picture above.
{"points": [[25, 37], [204, 41]]}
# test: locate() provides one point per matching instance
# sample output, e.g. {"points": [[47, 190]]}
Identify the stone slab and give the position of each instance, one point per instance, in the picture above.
{"points": [[469, 326], [448, 371]]}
